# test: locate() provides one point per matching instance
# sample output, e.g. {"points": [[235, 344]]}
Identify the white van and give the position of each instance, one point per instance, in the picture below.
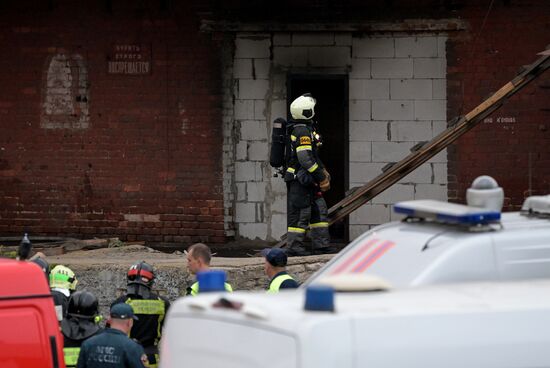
{"points": [[485, 325], [481, 298], [440, 242]]}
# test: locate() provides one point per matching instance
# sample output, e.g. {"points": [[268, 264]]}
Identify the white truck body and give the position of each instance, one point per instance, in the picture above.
{"points": [[422, 252], [462, 294], [486, 325]]}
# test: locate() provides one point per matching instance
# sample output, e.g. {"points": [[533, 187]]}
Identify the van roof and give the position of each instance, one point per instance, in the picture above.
{"points": [[21, 278]]}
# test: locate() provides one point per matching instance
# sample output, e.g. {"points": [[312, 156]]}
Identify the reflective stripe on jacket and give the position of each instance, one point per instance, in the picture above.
{"points": [[194, 289], [275, 284]]}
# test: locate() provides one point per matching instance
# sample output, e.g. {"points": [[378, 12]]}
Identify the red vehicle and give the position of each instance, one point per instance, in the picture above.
{"points": [[29, 333]]}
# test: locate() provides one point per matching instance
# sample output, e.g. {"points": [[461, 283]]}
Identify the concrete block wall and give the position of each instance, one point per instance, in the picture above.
{"points": [[396, 99]]}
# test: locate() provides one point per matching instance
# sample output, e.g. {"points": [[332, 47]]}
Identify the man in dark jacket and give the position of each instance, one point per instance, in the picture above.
{"points": [[113, 348], [275, 269]]}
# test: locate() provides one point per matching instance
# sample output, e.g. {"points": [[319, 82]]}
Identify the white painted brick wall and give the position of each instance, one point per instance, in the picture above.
{"points": [[357, 230], [250, 89], [368, 131], [371, 214], [241, 151], [410, 131], [252, 47], [255, 191], [244, 109], [257, 151], [439, 89], [245, 212], [312, 39], [253, 130], [431, 191], [392, 68], [360, 110], [360, 152], [430, 110], [422, 174], [374, 47], [411, 89], [363, 172], [336, 56], [397, 97], [241, 191], [370, 89], [416, 47], [392, 110], [395, 193], [289, 56], [390, 151], [430, 68], [360, 69], [253, 231]]}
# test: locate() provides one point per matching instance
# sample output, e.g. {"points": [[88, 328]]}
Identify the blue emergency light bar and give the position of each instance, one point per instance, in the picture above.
{"points": [[446, 212]]}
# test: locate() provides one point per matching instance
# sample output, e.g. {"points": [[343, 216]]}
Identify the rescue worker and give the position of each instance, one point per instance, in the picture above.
{"points": [[150, 308], [62, 283], [44, 266], [79, 325], [113, 348], [275, 269], [306, 179], [198, 260]]}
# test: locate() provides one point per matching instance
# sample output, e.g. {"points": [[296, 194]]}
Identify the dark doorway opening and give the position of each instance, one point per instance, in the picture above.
{"points": [[331, 114]]}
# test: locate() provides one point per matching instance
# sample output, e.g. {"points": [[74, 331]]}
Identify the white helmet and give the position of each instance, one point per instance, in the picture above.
{"points": [[302, 107]]}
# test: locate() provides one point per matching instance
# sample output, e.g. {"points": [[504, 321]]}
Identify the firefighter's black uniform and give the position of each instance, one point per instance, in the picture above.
{"points": [[306, 206], [75, 331], [151, 312]]}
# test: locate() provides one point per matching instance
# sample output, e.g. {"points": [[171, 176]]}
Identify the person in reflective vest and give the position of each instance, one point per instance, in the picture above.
{"points": [[148, 306], [198, 259], [275, 269], [80, 324]]}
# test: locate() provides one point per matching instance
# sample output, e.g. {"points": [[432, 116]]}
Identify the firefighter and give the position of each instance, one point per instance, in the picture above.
{"points": [[275, 269], [150, 308], [306, 179], [79, 324], [198, 260], [62, 284]]}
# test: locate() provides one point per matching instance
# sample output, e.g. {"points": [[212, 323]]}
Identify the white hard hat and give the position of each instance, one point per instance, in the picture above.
{"points": [[303, 107]]}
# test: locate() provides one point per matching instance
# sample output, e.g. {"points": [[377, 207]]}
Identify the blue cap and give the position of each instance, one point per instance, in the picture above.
{"points": [[319, 298], [275, 256], [122, 311], [211, 280]]}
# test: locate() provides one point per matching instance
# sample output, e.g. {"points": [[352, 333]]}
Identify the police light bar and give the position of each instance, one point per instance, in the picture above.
{"points": [[446, 212], [537, 205]]}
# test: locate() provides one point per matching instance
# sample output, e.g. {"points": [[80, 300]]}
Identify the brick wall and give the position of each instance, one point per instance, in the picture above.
{"points": [[512, 144], [86, 153]]}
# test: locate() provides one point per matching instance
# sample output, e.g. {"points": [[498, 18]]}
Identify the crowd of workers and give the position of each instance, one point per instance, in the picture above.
{"points": [[134, 328]]}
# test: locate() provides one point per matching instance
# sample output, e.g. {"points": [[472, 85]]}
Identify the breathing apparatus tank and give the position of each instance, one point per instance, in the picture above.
{"points": [[278, 143]]}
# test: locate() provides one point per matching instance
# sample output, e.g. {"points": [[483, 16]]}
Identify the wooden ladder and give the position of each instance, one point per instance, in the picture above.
{"points": [[422, 152]]}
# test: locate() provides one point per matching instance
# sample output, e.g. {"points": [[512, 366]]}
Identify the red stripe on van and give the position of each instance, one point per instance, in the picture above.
{"points": [[354, 256], [373, 256]]}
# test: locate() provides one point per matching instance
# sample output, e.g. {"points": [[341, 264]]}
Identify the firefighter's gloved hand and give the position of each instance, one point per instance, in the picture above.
{"points": [[327, 175], [324, 185]]}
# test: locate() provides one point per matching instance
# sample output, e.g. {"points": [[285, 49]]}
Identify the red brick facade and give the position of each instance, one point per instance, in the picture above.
{"points": [[141, 156], [148, 166], [514, 147]]}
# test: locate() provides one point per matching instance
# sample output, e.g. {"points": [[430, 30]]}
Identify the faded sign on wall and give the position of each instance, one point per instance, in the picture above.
{"points": [[129, 59]]}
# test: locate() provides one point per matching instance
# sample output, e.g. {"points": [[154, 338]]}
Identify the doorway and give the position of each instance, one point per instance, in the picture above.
{"points": [[331, 114]]}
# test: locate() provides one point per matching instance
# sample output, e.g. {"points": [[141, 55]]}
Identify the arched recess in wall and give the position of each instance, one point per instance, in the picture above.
{"points": [[65, 93]]}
